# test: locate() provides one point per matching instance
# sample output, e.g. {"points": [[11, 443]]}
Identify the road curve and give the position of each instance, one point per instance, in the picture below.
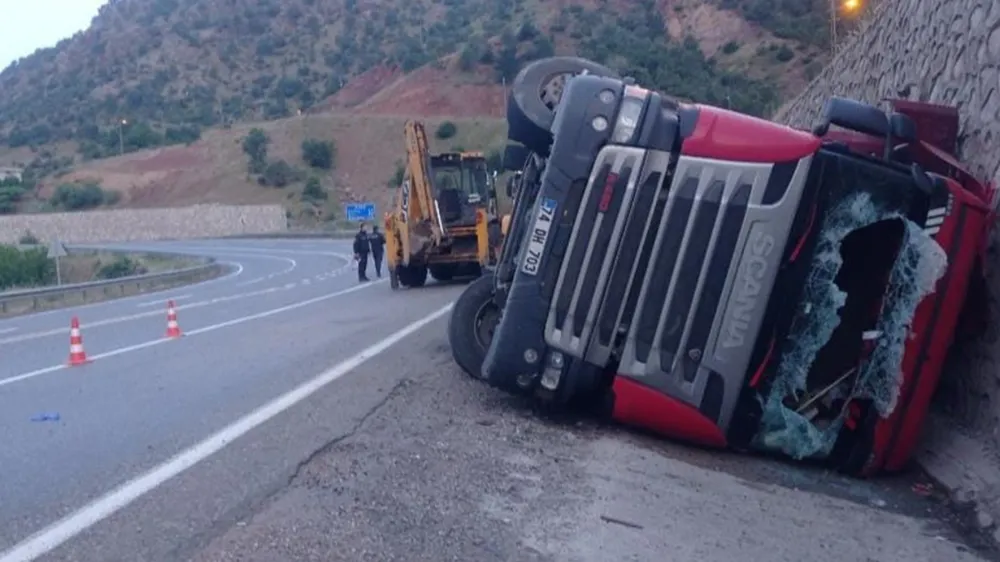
{"points": [[290, 309]]}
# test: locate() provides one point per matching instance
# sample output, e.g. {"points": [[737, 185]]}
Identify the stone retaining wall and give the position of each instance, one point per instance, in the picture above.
{"points": [[126, 225], [942, 51]]}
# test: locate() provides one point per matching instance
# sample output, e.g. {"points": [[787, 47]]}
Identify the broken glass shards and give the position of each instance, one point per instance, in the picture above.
{"points": [[870, 270]]}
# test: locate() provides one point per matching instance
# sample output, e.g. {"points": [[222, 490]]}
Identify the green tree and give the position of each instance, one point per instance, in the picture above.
{"points": [[446, 130], [255, 146], [278, 173], [318, 153], [25, 268]]}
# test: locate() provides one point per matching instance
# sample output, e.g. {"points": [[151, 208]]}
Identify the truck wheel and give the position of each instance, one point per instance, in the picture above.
{"points": [[443, 272], [413, 275], [470, 328], [536, 90]]}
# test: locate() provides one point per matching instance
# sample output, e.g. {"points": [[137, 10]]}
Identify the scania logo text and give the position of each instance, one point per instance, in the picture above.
{"points": [[746, 293]]}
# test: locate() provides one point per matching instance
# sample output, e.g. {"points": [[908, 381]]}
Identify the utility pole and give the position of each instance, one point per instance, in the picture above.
{"points": [[121, 137]]}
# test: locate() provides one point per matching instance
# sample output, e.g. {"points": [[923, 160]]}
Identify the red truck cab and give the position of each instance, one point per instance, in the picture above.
{"points": [[733, 282]]}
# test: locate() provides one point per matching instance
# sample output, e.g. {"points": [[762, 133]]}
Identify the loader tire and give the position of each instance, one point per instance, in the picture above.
{"points": [[412, 275], [470, 328], [536, 90]]}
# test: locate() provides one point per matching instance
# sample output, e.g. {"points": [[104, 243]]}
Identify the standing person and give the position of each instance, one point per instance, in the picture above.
{"points": [[361, 249], [377, 243]]}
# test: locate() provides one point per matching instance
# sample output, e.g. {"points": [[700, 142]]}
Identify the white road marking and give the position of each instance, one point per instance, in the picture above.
{"points": [[292, 265], [195, 332], [228, 249], [7, 330], [94, 512], [161, 301], [138, 315]]}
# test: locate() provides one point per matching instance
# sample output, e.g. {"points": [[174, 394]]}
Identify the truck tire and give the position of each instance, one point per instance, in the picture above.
{"points": [[536, 90], [444, 272], [470, 328], [412, 275]]}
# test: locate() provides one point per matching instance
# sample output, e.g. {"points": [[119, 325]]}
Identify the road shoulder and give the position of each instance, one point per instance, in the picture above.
{"points": [[447, 469]]}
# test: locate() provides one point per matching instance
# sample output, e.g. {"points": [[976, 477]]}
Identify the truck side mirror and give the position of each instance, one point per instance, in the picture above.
{"points": [[511, 186], [514, 157]]}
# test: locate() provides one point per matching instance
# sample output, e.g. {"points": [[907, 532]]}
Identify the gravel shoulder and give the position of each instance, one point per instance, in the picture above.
{"points": [[443, 468]]}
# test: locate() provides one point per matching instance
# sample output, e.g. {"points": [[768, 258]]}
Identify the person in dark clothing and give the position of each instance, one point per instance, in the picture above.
{"points": [[361, 249], [377, 242]]}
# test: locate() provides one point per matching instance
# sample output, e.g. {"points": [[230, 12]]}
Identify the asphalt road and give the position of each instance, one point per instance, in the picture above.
{"points": [[305, 416]]}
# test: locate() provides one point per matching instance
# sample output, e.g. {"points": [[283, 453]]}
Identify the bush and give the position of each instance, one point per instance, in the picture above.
{"points": [[255, 147], [25, 268], [73, 197], [112, 197], [446, 130], [28, 239], [313, 190], [318, 154], [397, 177], [784, 54], [278, 173], [123, 266]]}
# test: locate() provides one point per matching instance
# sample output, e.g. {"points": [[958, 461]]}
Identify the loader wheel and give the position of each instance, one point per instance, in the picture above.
{"points": [[443, 272], [470, 328], [412, 275], [536, 91]]}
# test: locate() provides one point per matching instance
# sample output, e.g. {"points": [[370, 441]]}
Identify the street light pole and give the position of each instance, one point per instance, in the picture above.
{"points": [[121, 137], [833, 27]]}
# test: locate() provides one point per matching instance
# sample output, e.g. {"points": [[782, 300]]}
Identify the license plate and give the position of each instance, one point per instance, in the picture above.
{"points": [[538, 236]]}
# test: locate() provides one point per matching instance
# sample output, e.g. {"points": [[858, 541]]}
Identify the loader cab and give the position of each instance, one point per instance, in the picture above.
{"points": [[461, 184]]}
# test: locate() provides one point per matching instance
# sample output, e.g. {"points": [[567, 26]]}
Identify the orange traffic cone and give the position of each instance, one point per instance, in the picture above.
{"points": [[77, 356], [173, 330]]}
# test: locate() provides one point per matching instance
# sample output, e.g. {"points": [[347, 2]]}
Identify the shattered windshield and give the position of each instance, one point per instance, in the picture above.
{"points": [[788, 423]]}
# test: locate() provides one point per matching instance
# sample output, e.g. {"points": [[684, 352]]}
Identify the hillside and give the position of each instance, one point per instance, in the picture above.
{"points": [[152, 73]]}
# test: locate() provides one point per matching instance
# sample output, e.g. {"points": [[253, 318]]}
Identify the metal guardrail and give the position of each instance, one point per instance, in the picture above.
{"points": [[292, 234], [13, 303]]}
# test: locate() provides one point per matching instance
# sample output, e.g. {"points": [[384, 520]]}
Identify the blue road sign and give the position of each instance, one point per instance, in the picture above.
{"points": [[360, 211]]}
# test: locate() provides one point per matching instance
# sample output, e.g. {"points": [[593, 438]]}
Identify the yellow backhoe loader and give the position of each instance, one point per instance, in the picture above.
{"points": [[444, 215]]}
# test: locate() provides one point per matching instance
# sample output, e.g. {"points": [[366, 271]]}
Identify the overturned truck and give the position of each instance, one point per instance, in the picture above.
{"points": [[723, 279]]}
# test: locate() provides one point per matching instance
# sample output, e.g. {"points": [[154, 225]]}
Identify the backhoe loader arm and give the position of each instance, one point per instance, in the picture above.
{"points": [[418, 171]]}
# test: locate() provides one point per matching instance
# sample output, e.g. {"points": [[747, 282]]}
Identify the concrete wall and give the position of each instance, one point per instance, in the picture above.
{"points": [[125, 225], [8, 172], [943, 51]]}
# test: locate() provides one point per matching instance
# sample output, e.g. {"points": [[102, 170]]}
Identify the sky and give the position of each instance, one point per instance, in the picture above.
{"points": [[32, 24]]}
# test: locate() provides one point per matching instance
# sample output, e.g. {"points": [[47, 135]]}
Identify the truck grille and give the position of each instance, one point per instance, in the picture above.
{"points": [[652, 261], [598, 227]]}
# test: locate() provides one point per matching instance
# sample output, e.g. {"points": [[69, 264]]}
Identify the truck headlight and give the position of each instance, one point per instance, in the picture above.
{"points": [[629, 114]]}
